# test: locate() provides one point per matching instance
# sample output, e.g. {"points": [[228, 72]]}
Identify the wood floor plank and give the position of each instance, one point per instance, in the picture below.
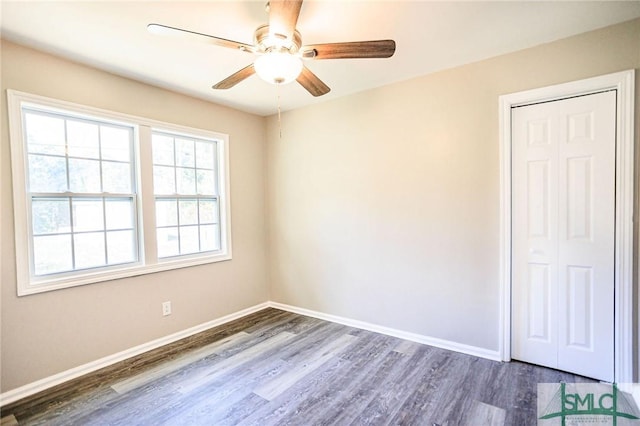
{"points": [[66, 412], [429, 388], [273, 413], [220, 396], [279, 368], [482, 414], [309, 343], [233, 414], [178, 363], [320, 386], [236, 361], [164, 390], [278, 322], [320, 395], [349, 393], [454, 390], [68, 392], [462, 395], [407, 347], [233, 386], [393, 393], [9, 421], [280, 384]]}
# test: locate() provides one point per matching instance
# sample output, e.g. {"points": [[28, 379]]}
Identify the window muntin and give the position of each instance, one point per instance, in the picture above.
{"points": [[84, 200], [75, 233], [81, 190], [186, 194]]}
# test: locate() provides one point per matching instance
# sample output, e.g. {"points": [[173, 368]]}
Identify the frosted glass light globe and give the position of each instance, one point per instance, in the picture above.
{"points": [[278, 67]]}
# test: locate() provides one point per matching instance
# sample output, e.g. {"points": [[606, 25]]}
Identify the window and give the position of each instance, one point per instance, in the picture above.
{"points": [[81, 192], [185, 195], [80, 206]]}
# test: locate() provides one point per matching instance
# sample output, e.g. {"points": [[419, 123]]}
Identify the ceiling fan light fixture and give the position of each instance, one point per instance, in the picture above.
{"points": [[278, 45], [278, 67]]}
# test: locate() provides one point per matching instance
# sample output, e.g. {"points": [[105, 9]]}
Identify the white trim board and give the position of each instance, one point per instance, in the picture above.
{"points": [[623, 83], [48, 382], [414, 337]]}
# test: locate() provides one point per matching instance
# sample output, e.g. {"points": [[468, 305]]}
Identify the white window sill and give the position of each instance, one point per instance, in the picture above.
{"points": [[44, 285]]}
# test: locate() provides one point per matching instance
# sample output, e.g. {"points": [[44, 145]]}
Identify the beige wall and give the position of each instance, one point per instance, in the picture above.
{"points": [[384, 205], [48, 333]]}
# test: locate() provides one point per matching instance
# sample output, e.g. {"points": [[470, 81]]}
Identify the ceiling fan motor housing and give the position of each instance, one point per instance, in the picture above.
{"points": [[267, 41]]}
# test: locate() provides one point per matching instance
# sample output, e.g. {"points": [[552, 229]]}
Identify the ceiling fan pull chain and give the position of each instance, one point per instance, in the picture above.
{"points": [[279, 115]]}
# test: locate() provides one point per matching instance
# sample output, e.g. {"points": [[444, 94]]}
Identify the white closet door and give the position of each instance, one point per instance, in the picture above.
{"points": [[563, 160]]}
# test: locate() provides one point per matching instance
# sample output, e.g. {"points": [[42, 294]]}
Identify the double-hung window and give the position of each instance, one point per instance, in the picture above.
{"points": [[100, 195], [186, 194], [81, 192]]}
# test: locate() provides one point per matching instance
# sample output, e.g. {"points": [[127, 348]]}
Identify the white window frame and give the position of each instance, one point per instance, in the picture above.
{"points": [[148, 261], [73, 197], [197, 195]]}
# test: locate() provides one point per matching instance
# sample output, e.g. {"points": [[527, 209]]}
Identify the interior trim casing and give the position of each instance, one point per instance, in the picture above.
{"points": [[623, 83]]}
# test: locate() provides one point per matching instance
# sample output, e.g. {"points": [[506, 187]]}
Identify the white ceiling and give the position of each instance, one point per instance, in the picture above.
{"points": [[430, 36]]}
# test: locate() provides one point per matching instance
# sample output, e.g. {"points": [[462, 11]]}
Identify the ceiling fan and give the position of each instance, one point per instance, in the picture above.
{"points": [[280, 51]]}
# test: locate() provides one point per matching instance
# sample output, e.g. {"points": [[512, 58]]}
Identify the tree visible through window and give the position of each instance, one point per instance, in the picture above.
{"points": [[185, 187], [81, 213], [82, 192]]}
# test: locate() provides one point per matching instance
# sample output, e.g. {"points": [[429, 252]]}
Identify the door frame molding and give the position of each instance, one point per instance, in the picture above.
{"points": [[623, 82]]}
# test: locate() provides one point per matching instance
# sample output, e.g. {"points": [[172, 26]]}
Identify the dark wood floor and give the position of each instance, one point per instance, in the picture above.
{"points": [[279, 368]]}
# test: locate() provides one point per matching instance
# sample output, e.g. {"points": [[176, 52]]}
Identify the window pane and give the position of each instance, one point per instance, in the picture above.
{"points": [[194, 173], [116, 177], [47, 174], [205, 155], [45, 134], [162, 150], [167, 212], [50, 216], [164, 180], [84, 175], [87, 215], [84, 198], [168, 242], [189, 239], [52, 254], [206, 183], [185, 153], [115, 143], [186, 180], [82, 139], [119, 213], [82, 188], [89, 250], [121, 247], [209, 237], [188, 212], [208, 211]]}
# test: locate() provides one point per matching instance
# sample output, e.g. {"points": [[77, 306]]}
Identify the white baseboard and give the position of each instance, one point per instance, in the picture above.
{"points": [[48, 382], [418, 338]]}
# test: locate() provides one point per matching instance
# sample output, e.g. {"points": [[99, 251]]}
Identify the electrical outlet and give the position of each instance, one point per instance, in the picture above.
{"points": [[166, 308]]}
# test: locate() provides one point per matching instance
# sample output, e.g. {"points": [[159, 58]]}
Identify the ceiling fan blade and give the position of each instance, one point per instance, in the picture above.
{"points": [[172, 31], [236, 78], [283, 17], [353, 49], [312, 83]]}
